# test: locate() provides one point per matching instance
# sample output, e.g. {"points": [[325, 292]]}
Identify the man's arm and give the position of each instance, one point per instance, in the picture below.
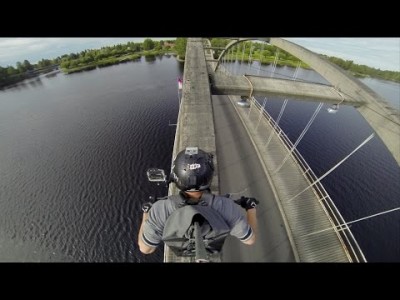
{"points": [[144, 248], [252, 220], [250, 205]]}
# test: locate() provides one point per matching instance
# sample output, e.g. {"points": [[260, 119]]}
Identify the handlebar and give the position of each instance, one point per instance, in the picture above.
{"points": [[155, 198]]}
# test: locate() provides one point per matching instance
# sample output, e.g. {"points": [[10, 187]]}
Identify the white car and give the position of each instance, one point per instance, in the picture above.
{"points": [[243, 103]]}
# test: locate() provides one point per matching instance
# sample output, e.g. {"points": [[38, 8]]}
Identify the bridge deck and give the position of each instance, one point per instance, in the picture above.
{"points": [[304, 214], [241, 174], [195, 121], [297, 218]]}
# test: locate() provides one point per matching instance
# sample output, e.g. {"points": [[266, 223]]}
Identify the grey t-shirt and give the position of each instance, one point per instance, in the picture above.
{"points": [[230, 212]]}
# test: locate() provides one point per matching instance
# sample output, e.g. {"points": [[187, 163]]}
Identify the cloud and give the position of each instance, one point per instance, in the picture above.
{"points": [[33, 49], [13, 50], [381, 53]]}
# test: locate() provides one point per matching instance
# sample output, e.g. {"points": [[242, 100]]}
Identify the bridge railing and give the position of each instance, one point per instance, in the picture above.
{"points": [[339, 225]]}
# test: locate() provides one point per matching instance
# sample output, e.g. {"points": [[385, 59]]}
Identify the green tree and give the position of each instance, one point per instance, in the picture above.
{"points": [[20, 67], [73, 64], [73, 56], [44, 63], [11, 70], [27, 65], [218, 42], [65, 64], [148, 44], [180, 47]]}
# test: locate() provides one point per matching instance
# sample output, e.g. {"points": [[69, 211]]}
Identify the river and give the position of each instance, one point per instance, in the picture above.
{"points": [[74, 150]]}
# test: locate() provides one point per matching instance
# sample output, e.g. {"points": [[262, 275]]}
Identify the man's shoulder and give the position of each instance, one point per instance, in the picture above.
{"points": [[223, 202], [168, 202], [223, 199]]}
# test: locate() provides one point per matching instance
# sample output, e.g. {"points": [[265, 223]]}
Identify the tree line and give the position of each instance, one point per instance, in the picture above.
{"points": [[23, 70], [363, 70], [109, 55], [84, 60]]}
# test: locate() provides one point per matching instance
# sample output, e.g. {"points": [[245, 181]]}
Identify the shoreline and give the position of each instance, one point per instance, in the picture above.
{"points": [[132, 57], [114, 61]]}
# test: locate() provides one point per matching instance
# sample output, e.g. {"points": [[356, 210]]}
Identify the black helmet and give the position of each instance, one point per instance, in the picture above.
{"points": [[193, 169]]}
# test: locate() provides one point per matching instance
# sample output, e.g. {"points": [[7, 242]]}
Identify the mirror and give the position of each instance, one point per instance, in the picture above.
{"points": [[154, 174]]}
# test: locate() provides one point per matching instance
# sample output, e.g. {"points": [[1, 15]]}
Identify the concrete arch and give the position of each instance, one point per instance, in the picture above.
{"points": [[233, 43]]}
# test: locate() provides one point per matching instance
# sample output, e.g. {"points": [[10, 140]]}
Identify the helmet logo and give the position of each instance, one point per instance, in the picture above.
{"points": [[191, 150], [194, 166]]}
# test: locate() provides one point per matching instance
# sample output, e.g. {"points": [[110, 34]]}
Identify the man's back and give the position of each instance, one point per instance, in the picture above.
{"points": [[194, 227], [192, 173], [211, 206]]}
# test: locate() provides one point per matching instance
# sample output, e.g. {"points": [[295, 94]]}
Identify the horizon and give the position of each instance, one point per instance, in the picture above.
{"points": [[378, 53]]}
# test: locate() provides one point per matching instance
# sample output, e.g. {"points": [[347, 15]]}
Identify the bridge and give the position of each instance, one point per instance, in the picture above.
{"points": [[310, 229]]}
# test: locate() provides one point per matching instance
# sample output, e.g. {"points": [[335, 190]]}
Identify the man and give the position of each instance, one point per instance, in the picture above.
{"points": [[192, 173]]}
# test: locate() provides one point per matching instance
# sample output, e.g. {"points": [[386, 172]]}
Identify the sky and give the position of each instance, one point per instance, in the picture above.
{"points": [[13, 50], [381, 53]]}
